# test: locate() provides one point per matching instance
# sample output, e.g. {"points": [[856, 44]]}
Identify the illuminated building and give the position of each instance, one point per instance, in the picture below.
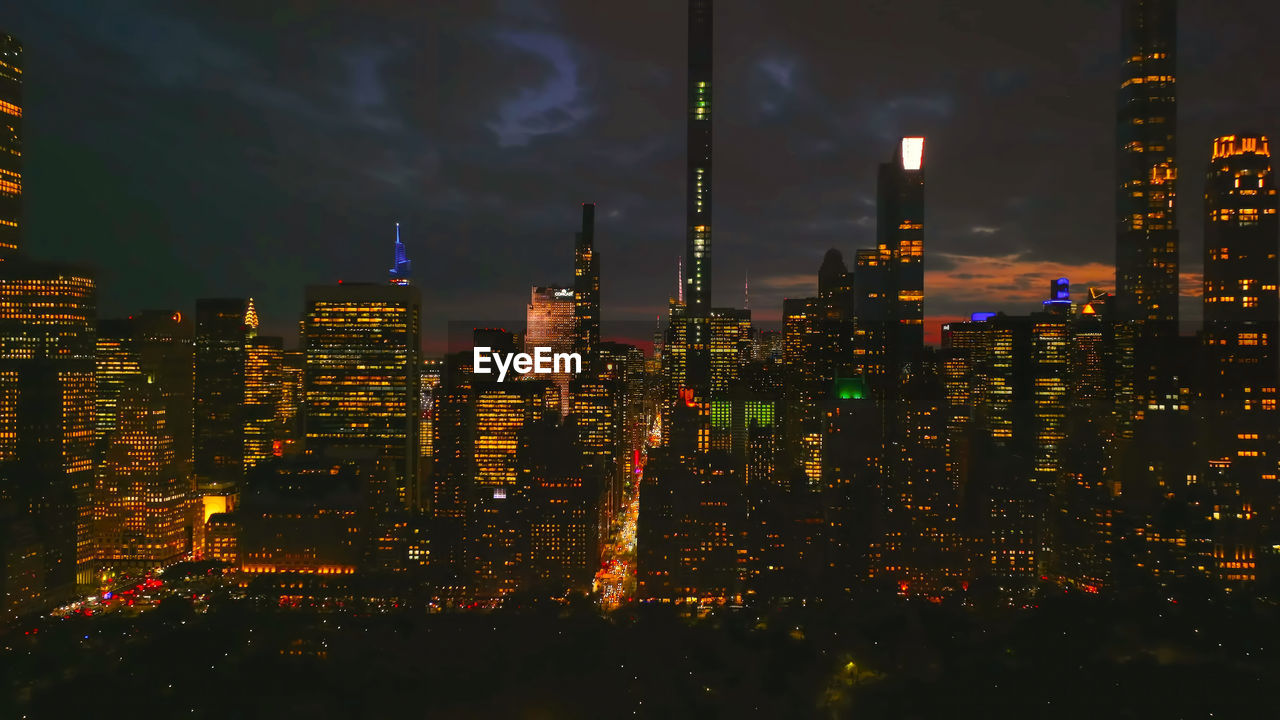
{"points": [[871, 307], [693, 521], [551, 319], [693, 531], [1050, 397], [1083, 514], [900, 243], [1033, 440], [656, 529], [1241, 320], [851, 483], [803, 375], [292, 396], [596, 415], [888, 282], [1147, 235], [1000, 443], [403, 268], [1232, 550], [1091, 356], [698, 195], [263, 394], [221, 330], [222, 539], [767, 345], [622, 381], [696, 288], [504, 414], [560, 511], [586, 288], [22, 562], [747, 424], [921, 548], [626, 366], [1050, 358], [10, 145], [1147, 239], [143, 492], [116, 363], [730, 346], [1241, 274], [836, 306], [47, 343], [429, 378], [452, 472], [304, 515], [166, 354], [453, 423], [152, 349], [362, 351], [674, 362]]}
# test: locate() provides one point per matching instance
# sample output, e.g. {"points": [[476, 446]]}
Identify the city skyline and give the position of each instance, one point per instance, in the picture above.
{"points": [[979, 460], [992, 245]]}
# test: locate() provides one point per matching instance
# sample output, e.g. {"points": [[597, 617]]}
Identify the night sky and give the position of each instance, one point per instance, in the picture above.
{"points": [[231, 148]]}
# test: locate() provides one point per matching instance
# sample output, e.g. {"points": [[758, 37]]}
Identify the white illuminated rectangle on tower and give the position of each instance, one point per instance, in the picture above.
{"points": [[912, 153]]}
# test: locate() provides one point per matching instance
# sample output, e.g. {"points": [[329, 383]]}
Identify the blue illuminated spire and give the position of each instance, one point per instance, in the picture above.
{"points": [[400, 273]]}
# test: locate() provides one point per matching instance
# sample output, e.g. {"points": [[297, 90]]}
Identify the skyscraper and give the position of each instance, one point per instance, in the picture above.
{"points": [[116, 362], [586, 288], [143, 492], [361, 383], [263, 393], [698, 196], [900, 242], [551, 322], [1241, 271], [292, 396], [1146, 169], [10, 145], [222, 326], [46, 415], [149, 354], [157, 345], [561, 510], [503, 415], [698, 151], [1241, 320]]}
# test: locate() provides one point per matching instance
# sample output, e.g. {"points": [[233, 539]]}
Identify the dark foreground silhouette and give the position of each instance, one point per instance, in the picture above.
{"points": [[1072, 656]]}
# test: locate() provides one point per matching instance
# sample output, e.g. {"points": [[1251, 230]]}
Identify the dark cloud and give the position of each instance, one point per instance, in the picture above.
{"points": [[200, 149]]}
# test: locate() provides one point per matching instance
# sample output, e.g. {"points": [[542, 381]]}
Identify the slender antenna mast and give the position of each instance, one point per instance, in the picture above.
{"points": [[680, 278]]}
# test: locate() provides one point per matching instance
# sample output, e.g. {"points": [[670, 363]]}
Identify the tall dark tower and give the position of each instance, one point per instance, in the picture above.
{"points": [[222, 326], [1146, 173], [10, 144], [900, 244], [586, 287], [697, 280], [698, 188]]}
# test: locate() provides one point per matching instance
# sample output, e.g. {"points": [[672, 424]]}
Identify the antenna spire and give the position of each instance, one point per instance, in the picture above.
{"points": [[400, 273], [680, 278]]}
